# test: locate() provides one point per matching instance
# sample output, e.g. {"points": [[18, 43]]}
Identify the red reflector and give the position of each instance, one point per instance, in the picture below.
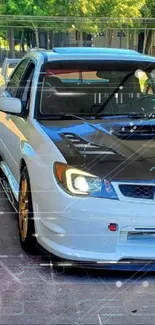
{"points": [[112, 227]]}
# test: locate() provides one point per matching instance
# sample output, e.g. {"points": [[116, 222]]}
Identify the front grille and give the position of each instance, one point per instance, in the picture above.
{"points": [[138, 191]]}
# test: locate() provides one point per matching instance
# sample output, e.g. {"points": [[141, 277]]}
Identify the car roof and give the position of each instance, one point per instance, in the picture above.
{"points": [[92, 50], [92, 53]]}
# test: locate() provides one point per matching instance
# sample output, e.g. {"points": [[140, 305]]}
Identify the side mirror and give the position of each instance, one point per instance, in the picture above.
{"points": [[10, 105]]}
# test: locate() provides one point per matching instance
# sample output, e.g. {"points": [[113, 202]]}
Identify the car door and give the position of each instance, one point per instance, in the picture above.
{"points": [[5, 122], [12, 130]]}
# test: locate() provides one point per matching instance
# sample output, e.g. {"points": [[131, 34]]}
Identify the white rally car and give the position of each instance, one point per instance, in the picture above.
{"points": [[77, 151]]}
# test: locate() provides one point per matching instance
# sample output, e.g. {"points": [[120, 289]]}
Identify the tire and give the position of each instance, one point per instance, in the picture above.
{"points": [[25, 214]]}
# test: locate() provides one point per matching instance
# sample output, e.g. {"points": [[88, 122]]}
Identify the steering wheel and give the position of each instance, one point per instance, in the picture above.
{"points": [[139, 100]]}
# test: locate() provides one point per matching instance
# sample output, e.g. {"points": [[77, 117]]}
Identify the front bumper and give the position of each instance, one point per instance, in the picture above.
{"points": [[76, 229]]}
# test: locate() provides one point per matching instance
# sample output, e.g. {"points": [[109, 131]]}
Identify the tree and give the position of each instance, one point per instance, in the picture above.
{"points": [[148, 11], [81, 13], [83, 16], [123, 14], [27, 8]]}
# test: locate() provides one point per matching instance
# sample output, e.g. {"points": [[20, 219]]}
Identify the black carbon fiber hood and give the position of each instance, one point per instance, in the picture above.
{"points": [[113, 149]]}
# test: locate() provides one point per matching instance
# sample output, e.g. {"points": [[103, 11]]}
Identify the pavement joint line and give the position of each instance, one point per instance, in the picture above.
{"points": [[99, 318], [9, 272]]}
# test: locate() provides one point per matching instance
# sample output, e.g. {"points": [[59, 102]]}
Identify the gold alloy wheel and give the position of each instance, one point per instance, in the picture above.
{"points": [[23, 209]]}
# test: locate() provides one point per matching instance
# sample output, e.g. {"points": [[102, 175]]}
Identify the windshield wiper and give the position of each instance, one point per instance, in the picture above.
{"points": [[64, 116], [114, 92]]}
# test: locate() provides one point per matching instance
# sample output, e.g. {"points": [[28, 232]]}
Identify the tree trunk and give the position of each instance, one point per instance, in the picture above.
{"points": [[110, 32], [48, 39], [62, 40], [127, 38], [27, 35], [120, 41], [149, 41], [81, 39], [22, 47], [135, 38], [145, 40], [11, 42], [51, 38], [37, 37], [131, 39], [21, 40], [150, 47]]}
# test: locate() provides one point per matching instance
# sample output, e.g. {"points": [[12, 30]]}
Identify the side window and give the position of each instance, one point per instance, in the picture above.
{"points": [[146, 83], [24, 89], [16, 77], [148, 87]]}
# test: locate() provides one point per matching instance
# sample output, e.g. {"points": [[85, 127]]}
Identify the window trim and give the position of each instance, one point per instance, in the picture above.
{"points": [[29, 64], [24, 113], [12, 75]]}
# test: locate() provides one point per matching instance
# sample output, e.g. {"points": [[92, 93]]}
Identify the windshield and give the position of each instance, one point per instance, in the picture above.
{"points": [[96, 88]]}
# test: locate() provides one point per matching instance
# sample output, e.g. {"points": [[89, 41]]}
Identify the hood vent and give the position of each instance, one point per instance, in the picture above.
{"points": [[135, 131], [85, 147]]}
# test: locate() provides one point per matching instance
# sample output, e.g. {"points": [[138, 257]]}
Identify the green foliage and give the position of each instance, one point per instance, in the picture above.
{"points": [[84, 14], [20, 7], [88, 9], [148, 10]]}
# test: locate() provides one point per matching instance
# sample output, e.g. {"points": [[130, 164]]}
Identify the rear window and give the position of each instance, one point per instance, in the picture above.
{"points": [[75, 76]]}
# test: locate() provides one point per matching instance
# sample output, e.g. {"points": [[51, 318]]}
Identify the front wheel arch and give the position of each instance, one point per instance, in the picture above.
{"points": [[29, 242], [22, 165]]}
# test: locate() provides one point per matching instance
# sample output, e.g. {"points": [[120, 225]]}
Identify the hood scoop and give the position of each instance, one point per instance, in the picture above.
{"points": [[87, 148], [135, 132]]}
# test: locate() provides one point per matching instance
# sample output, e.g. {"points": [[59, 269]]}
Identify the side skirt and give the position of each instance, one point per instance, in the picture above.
{"points": [[9, 185]]}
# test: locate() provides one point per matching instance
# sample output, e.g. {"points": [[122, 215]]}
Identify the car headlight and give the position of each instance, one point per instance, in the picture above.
{"points": [[78, 182]]}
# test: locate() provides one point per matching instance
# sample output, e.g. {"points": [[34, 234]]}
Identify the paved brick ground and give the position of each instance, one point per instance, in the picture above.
{"points": [[34, 294]]}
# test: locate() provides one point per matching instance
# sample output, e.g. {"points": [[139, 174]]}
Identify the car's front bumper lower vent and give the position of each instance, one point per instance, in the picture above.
{"points": [[138, 191]]}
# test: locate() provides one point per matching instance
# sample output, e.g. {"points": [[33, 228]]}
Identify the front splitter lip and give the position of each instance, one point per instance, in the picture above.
{"points": [[139, 265], [136, 265]]}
